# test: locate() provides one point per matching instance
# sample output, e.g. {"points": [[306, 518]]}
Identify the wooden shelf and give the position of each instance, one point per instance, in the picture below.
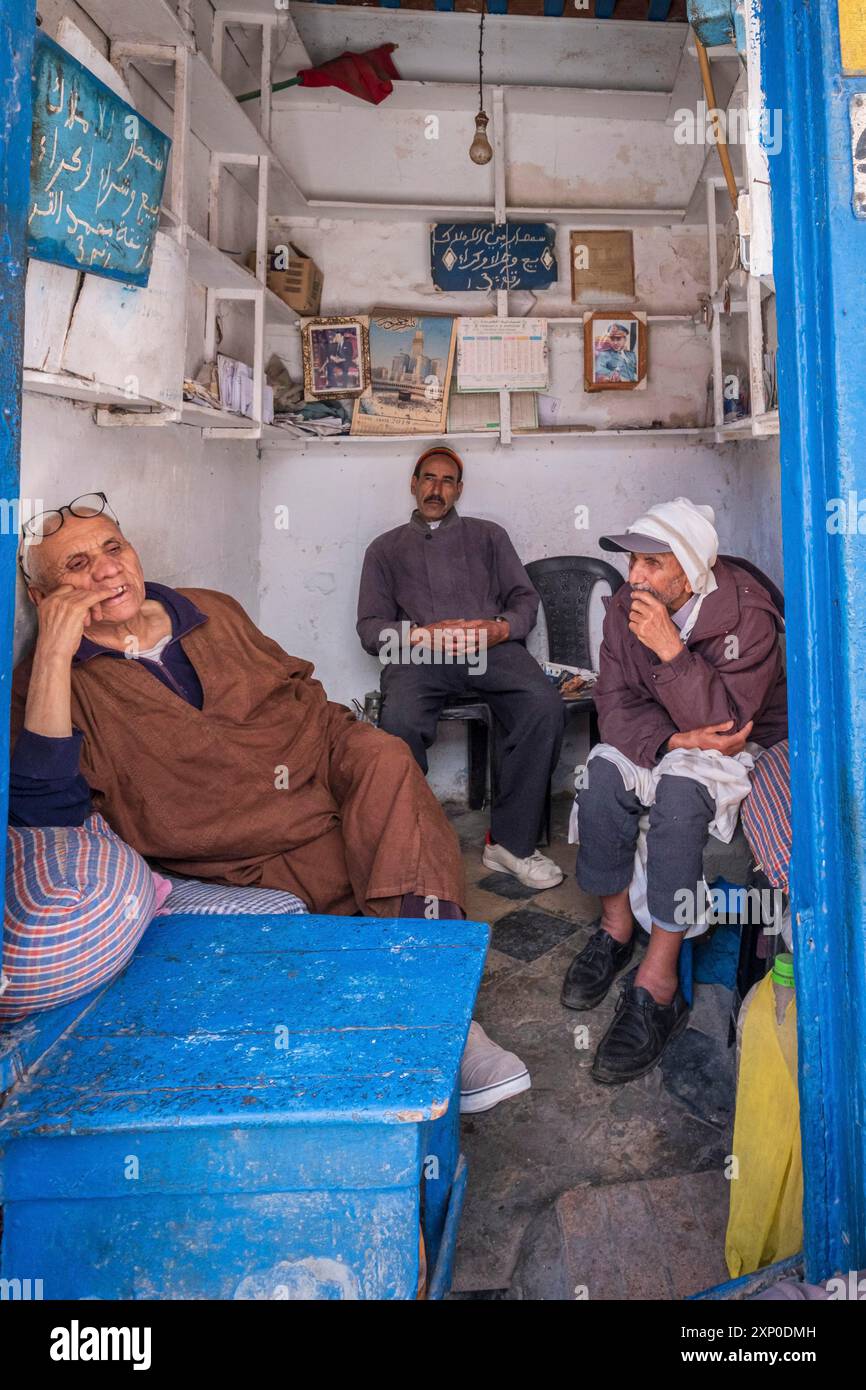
{"points": [[272, 435], [766, 423], [139, 21], [216, 270], [256, 9], [74, 388], [220, 122], [208, 417], [753, 426]]}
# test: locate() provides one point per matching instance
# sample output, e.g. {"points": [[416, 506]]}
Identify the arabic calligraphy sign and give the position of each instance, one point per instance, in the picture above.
{"points": [[493, 255], [97, 172]]}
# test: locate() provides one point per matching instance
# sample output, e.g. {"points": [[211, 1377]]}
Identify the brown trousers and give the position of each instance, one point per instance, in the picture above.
{"points": [[392, 836]]}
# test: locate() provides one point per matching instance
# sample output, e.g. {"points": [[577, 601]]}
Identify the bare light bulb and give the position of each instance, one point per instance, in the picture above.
{"points": [[480, 151]]}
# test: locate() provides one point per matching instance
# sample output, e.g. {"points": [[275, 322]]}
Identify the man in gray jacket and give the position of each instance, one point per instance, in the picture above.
{"points": [[446, 605]]}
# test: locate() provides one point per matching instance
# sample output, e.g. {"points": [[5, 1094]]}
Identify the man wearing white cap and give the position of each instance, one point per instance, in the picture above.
{"points": [[690, 670]]}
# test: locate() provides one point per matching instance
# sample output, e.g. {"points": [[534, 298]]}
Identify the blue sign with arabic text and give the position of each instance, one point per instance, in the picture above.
{"points": [[97, 172], [493, 255]]}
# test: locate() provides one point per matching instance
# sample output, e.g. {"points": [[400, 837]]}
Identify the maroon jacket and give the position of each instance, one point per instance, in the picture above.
{"points": [[642, 701]]}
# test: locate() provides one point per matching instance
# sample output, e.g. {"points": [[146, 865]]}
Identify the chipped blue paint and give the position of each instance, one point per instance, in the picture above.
{"points": [[819, 256], [253, 1100], [16, 56], [748, 1285], [712, 21]]}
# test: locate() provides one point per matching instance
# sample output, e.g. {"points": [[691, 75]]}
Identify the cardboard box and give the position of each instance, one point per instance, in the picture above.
{"points": [[299, 284]]}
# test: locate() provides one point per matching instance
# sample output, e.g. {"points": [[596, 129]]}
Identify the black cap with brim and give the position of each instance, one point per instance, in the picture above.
{"points": [[635, 543]]}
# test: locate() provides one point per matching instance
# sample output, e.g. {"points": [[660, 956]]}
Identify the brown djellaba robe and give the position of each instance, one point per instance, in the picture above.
{"points": [[203, 792]]}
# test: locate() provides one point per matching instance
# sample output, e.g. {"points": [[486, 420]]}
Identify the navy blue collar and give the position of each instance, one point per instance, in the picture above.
{"points": [[182, 611]]}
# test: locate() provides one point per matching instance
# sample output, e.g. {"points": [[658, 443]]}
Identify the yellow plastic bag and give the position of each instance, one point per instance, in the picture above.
{"points": [[765, 1221]]}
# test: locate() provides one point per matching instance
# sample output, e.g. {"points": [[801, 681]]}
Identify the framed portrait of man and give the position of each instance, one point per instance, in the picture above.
{"points": [[614, 351], [336, 355]]}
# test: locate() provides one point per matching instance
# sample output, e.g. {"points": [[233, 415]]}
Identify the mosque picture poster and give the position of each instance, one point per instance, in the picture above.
{"points": [[411, 362]]}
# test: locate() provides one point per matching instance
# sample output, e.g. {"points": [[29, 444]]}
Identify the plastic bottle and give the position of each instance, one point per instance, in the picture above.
{"points": [[765, 1222], [783, 993]]}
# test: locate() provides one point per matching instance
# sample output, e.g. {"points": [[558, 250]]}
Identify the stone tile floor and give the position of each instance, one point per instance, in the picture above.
{"points": [[536, 1162]]}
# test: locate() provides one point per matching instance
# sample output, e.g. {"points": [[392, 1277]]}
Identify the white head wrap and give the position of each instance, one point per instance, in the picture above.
{"points": [[688, 528]]}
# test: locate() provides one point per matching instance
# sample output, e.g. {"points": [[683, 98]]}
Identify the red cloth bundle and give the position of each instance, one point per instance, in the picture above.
{"points": [[365, 75]]}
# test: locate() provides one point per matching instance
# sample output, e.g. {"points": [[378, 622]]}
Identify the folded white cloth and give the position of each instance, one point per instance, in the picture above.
{"points": [[725, 778]]}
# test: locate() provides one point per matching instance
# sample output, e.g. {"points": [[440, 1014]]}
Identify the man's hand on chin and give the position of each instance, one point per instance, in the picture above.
{"points": [[717, 737], [651, 624], [63, 615]]}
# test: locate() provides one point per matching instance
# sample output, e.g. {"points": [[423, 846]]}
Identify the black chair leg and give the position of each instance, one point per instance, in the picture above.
{"points": [[594, 735], [750, 969], [546, 814], [493, 736], [476, 733]]}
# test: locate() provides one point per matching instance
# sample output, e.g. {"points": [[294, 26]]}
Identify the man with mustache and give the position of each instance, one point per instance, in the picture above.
{"points": [[690, 670], [455, 588]]}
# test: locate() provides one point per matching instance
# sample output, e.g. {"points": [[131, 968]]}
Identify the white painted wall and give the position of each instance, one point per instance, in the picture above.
{"points": [[342, 496], [368, 264], [203, 512], [758, 505], [190, 508]]}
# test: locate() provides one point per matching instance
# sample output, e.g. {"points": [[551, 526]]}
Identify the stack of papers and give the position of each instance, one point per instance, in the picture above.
{"points": [[298, 425], [236, 389]]}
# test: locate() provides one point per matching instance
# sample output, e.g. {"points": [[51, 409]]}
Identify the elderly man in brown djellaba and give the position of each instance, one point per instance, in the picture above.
{"points": [[213, 752]]}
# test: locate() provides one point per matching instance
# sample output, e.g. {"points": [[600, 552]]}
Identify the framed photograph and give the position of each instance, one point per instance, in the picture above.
{"points": [[411, 361], [614, 351], [336, 357]]}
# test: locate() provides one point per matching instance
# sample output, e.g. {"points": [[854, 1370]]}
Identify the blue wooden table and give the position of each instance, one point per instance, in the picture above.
{"points": [[258, 1107]]}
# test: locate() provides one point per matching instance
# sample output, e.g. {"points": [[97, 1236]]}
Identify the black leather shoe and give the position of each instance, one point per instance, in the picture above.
{"points": [[593, 971], [638, 1035]]}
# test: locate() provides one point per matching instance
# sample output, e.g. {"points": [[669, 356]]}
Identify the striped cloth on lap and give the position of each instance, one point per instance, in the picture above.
{"points": [[766, 814], [78, 900], [208, 899]]}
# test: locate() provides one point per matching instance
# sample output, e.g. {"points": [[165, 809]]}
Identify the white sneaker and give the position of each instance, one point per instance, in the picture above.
{"points": [[488, 1074], [536, 871]]}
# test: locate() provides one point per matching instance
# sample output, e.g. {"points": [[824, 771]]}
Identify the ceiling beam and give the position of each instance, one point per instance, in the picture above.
{"points": [[582, 102], [351, 210]]}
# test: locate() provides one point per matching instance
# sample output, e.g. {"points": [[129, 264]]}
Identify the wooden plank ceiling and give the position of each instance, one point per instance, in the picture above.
{"points": [[671, 10]]}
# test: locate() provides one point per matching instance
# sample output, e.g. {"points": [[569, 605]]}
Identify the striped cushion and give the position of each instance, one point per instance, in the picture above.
{"points": [[78, 900], [191, 895], [766, 814]]}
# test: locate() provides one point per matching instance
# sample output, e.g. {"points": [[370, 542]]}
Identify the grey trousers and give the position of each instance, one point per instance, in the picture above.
{"points": [[608, 817], [531, 716]]}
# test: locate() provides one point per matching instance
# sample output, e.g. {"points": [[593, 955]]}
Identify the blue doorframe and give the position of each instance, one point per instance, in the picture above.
{"points": [[820, 268], [820, 272], [17, 27]]}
